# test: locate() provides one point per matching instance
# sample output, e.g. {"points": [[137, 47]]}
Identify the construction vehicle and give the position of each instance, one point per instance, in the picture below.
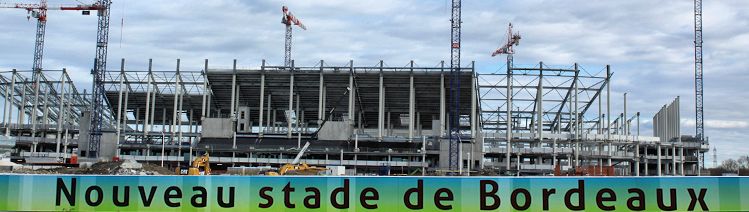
{"points": [[296, 168], [200, 166]]}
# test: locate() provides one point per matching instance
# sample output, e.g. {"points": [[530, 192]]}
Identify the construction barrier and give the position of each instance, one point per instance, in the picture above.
{"points": [[318, 193]]}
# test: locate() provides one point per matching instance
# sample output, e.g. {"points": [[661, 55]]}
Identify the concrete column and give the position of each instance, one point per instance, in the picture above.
{"points": [[637, 158], [9, 99], [22, 107], [474, 117], [291, 101], [203, 110], [261, 129], [673, 160], [659, 159], [269, 112], [645, 163], [33, 115], [577, 119], [148, 99], [232, 110], [508, 134], [321, 97], [608, 111], [539, 104], [119, 109], [442, 100], [61, 109], [173, 128], [381, 106], [351, 94], [411, 104]]}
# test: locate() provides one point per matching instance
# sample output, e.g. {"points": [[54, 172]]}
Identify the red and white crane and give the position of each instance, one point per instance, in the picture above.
{"points": [[289, 19]]}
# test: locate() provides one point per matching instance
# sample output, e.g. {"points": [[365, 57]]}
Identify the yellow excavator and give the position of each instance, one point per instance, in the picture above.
{"points": [[200, 166], [296, 168]]}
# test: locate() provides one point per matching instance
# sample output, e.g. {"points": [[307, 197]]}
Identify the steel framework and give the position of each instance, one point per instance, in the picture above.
{"points": [[100, 66], [454, 137], [698, 88]]}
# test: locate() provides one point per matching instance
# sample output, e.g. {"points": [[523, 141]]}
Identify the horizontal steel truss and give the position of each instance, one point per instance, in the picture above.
{"points": [[41, 100]]}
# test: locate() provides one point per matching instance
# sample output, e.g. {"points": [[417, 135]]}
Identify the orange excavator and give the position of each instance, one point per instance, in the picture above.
{"points": [[296, 168], [200, 166]]}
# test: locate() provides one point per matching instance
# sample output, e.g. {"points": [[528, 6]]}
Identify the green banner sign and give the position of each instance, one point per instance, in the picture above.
{"points": [[316, 193]]}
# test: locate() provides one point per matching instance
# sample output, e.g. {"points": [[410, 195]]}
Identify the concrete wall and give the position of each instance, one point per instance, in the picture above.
{"points": [[217, 128], [335, 131]]}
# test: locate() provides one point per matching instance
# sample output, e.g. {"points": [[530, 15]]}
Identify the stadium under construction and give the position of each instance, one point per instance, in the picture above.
{"points": [[370, 118]]}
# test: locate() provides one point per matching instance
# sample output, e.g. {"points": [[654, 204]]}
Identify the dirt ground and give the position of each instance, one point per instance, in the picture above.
{"points": [[101, 168]]}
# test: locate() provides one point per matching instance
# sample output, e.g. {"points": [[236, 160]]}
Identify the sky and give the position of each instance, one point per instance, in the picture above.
{"points": [[648, 43]]}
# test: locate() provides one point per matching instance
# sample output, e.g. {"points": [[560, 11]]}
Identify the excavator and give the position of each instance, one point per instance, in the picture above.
{"points": [[296, 168], [200, 166]]}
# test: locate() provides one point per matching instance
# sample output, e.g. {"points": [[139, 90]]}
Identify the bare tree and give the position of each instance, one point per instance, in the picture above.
{"points": [[743, 162], [730, 165]]}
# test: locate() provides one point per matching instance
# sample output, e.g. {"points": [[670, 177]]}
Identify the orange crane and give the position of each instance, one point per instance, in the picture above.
{"points": [[289, 19], [39, 12]]}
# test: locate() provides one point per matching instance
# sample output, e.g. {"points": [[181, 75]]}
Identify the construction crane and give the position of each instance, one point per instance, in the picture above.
{"points": [[289, 19], [100, 66], [39, 12], [699, 121], [513, 39], [454, 141]]}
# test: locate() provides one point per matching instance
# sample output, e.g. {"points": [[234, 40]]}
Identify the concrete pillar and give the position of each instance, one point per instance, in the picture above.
{"points": [[508, 134], [381, 106], [291, 101], [261, 129], [659, 159], [608, 111], [269, 123], [411, 104], [577, 119], [148, 100], [33, 115], [539, 104], [61, 109], [351, 94], [321, 97], [442, 100], [9, 102], [474, 117]]}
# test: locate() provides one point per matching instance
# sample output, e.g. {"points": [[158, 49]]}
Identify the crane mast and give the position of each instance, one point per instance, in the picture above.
{"points": [[100, 66], [513, 39], [454, 141], [700, 127]]}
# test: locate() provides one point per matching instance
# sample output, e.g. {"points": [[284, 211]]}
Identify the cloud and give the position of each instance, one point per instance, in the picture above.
{"points": [[648, 43]]}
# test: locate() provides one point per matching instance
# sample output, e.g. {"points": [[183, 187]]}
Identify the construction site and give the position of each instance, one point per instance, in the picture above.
{"points": [[340, 119]]}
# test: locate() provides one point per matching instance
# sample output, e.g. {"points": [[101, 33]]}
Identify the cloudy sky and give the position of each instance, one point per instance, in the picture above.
{"points": [[648, 43]]}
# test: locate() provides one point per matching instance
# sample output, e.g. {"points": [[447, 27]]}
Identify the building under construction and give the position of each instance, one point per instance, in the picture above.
{"points": [[371, 118]]}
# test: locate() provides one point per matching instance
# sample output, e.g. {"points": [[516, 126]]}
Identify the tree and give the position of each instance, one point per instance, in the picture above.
{"points": [[730, 165], [743, 162]]}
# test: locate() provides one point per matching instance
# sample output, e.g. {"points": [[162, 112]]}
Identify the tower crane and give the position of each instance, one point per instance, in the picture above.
{"points": [[513, 39], [700, 127], [289, 19], [39, 12], [454, 137]]}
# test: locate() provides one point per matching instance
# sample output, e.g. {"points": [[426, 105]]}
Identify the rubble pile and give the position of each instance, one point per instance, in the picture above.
{"points": [[129, 167]]}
